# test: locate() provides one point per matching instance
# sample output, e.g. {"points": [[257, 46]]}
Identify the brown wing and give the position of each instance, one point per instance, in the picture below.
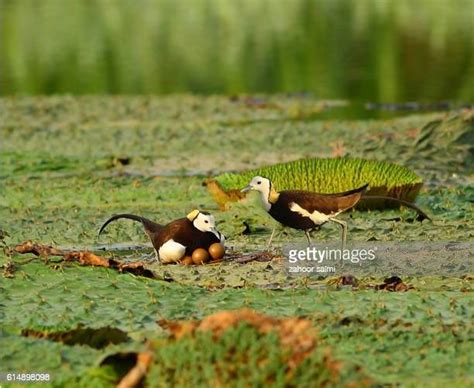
{"points": [[323, 203], [361, 190], [167, 232]]}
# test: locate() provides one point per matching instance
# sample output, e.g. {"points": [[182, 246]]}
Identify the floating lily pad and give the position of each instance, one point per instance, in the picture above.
{"points": [[328, 175]]}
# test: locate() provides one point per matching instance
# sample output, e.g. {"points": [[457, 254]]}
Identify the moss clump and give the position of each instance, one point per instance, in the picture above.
{"points": [[329, 175], [242, 356]]}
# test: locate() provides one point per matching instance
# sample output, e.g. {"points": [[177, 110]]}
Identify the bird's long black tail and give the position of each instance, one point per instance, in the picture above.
{"points": [[421, 214], [149, 225]]}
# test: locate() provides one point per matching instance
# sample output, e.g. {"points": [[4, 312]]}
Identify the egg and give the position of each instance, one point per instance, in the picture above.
{"points": [[187, 260], [200, 256], [217, 251]]}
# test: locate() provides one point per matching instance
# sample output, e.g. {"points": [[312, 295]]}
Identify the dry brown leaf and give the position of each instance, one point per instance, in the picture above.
{"points": [[37, 249], [135, 375], [84, 258], [393, 283], [87, 258], [344, 280]]}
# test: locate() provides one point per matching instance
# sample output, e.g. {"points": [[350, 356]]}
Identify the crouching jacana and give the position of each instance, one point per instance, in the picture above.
{"points": [[180, 237], [308, 211]]}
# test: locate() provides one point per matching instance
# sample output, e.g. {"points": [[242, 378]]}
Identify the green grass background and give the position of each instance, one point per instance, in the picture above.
{"points": [[369, 50]]}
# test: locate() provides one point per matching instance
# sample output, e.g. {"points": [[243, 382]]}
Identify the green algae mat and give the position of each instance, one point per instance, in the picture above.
{"points": [[67, 164]]}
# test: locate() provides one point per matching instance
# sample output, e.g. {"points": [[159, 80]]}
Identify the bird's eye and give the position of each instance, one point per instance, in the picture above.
{"points": [[259, 182], [206, 221]]}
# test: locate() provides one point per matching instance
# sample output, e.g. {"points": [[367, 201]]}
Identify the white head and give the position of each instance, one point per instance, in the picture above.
{"points": [[202, 221], [262, 185]]}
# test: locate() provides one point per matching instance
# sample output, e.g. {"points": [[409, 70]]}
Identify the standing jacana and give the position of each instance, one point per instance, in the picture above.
{"points": [[306, 210]]}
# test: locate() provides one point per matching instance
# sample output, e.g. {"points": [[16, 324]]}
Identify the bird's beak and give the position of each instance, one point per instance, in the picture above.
{"points": [[246, 188]]}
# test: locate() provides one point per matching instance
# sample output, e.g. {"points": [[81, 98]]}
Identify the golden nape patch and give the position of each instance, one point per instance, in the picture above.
{"points": [[273, 197], [192, 215]]}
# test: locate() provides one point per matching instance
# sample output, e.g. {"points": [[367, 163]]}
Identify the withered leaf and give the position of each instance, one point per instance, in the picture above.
{"points": [[84, 258]]}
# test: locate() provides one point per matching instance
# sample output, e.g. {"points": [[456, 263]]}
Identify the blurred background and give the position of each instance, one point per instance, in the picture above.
{"points": [[362, 50]]}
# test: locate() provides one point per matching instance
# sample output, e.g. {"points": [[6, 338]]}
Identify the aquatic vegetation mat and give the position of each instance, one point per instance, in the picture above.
{"points": [[67, 163], [60, 299], [449, 141]]}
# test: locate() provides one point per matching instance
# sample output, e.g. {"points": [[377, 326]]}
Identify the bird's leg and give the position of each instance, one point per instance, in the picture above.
{"points": [[344, 231], [306, 232], [317, 228], [271, 238]]}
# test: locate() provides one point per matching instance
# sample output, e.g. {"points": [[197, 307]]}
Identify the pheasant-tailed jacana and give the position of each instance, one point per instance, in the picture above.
{"points": [[180, 237], [306, 210]]}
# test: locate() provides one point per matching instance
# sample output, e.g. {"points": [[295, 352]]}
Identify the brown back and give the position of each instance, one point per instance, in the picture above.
{"points": [[324, 203]]}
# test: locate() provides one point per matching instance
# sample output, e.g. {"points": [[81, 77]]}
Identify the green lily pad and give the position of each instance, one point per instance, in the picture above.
{"points": [[327, 175]]}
